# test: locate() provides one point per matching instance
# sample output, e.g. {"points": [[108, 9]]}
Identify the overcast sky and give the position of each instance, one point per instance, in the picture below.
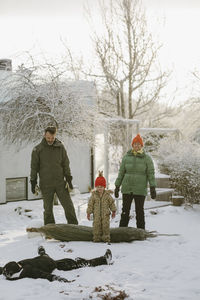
{"points": [[39, 25], [31, 24], [39, 7]]}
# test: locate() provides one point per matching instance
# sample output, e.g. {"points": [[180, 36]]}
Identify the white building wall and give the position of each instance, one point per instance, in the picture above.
{"points": [[14, 163], [80, 163]]}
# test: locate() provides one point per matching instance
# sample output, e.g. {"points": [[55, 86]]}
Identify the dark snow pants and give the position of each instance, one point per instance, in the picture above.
{"points": [[101, 228], [68, 264], [139, 210], [65, 200]]}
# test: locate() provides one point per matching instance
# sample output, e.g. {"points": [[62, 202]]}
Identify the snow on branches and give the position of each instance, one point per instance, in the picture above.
{"points": [[35, 101]]}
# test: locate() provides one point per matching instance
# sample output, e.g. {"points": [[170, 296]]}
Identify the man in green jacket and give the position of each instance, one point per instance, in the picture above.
{"points": [[136, 171], [49, 160]]}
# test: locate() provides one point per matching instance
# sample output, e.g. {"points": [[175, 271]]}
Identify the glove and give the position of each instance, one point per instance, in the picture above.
{"points": [[116, 192], [153, 192], [113, 214], [69, 180], [33, 185], [88, 217]]}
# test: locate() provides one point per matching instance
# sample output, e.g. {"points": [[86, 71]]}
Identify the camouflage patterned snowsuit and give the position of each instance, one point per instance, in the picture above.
{"points": [[101, 207]]}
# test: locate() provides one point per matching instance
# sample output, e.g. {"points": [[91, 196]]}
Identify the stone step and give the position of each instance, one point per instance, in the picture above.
{"points": [[163, 194], [177, 200], [162, 181]]}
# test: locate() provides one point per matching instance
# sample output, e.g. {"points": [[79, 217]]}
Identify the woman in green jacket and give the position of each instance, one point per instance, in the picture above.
{"points": [[136, 171]]}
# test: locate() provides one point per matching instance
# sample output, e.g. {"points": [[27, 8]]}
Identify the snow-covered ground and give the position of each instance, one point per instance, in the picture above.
{"points": [[165, 267]]}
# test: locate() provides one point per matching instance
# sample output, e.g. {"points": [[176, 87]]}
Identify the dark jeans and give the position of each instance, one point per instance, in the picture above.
{"points": [[139, 209], [65, 200]]}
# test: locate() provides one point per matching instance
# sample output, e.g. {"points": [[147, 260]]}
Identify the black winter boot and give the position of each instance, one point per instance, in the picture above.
{"points": [[41, 251], [108, 256]]}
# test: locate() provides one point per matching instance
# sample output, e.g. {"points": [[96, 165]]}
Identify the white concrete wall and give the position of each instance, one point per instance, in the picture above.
{"points": [[15, 163], [80, 163]]}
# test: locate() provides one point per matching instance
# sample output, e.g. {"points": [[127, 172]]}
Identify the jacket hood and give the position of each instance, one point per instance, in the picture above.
{"points": [[56, 143]]}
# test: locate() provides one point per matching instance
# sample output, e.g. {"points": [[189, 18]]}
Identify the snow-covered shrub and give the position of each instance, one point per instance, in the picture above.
{"points": [[181, 160], [152, 140]]}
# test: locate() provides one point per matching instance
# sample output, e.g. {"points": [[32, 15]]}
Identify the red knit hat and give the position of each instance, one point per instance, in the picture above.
{"points": [[100, 180], [137, 139]]}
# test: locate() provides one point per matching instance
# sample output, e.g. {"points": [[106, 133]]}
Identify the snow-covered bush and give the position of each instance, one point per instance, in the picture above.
{"points": [[181, 160], [152, 140]]}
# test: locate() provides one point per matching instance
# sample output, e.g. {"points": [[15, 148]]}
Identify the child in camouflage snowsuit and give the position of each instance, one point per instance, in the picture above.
{"points": [[101, 204]]}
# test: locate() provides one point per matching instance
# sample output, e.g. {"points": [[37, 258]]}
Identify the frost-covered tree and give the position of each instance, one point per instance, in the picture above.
{"points": [[38, 97]]}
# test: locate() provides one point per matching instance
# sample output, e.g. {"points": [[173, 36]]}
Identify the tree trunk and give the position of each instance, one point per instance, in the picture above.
{"points": [[118, 104], [122, 100]]}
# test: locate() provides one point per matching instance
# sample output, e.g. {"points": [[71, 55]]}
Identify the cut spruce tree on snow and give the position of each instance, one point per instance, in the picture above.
{"points": [[70, 232]]}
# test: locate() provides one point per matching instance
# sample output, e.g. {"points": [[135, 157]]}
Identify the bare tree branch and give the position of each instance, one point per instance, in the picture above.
{"points": [[127, 56]]}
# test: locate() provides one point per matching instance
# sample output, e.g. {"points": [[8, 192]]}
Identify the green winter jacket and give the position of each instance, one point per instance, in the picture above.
{"points": [[51, 162], [135, 172]]}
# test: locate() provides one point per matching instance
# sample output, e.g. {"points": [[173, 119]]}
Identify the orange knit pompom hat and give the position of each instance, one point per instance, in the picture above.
{"points": [[137, 139], [100, 180]]}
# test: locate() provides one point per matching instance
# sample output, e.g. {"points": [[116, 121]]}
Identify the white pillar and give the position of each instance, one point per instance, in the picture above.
{"points": [[106, 155]]}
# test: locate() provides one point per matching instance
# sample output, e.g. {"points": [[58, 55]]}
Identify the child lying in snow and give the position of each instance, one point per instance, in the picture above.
{"points": [[43, 265]]}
